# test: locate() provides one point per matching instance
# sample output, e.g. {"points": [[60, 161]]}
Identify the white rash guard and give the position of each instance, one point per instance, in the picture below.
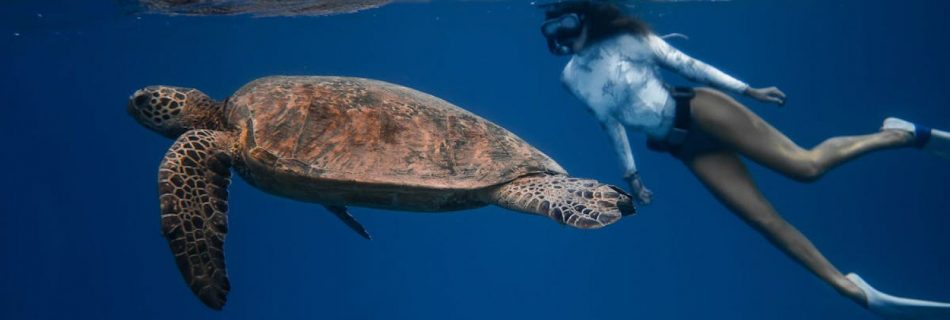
{"points": [[619, 80]]}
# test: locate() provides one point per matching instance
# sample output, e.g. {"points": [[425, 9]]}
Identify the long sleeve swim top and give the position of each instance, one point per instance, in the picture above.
{"points": [[618, 79]]}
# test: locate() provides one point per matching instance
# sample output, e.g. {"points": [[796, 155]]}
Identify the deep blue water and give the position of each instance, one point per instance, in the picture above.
{"points": [[79, 222]]}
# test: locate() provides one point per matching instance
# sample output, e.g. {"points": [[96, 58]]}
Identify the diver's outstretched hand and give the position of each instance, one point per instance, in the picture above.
{"points": [[640, 192], [770, 95]]}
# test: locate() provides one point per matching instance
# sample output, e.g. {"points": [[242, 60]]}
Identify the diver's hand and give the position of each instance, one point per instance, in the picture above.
{"points": [[770, 95], [640, 192]]}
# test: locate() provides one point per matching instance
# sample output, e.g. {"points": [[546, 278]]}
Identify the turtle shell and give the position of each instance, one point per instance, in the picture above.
{"points": [[354, 130]]}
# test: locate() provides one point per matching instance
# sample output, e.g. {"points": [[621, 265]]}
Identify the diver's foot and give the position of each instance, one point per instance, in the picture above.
{"points": [[893, 123], [921, 135], [890, 307], [932, 140]]}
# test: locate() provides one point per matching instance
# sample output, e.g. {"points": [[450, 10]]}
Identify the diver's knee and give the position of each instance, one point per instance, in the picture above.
{"points": [[807, 171]]}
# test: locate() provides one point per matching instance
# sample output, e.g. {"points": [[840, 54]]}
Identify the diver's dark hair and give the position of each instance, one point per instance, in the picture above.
{"points": [[602, 19]]}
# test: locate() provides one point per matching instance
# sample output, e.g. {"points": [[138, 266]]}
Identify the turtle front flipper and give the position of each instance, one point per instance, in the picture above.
{"points": [[347, 218], [193, 184], [581, 203]]}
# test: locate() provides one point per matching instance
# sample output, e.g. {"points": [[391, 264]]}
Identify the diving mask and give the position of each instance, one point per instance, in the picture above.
{"points": [[562, 32]]}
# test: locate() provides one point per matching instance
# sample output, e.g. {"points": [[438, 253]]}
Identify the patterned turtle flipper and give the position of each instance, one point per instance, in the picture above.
{"points": [[193, 184], [581, 203], [345, 216]]}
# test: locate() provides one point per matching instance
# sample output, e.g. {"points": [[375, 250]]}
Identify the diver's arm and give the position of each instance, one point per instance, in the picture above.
{"points": [[618, 137], [695, 70], [698, 71]]}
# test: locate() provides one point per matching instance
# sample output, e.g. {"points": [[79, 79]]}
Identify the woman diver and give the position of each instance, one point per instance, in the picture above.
{"points": [[613, 70]]}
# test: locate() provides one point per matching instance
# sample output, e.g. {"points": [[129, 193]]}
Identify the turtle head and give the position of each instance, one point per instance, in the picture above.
{"points": [[171, 111]]}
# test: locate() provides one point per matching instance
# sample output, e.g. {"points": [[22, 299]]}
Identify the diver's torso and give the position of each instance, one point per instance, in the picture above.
{"points": [[618, 77]]}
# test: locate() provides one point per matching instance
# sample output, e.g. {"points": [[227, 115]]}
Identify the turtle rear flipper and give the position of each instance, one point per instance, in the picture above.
{"points": [[193, 184], [581, 203], [347, 218]]}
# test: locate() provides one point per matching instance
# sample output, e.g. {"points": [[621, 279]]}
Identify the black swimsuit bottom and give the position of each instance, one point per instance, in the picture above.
{"points": [[686, 139]]}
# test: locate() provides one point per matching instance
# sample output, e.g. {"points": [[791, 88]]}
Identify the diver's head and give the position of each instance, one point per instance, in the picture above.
{"points": [[566, 33], [571, 26], [170, 111]]}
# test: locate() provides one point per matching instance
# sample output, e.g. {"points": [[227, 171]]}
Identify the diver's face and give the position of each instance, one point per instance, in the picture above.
{"points": [[580, 41]]}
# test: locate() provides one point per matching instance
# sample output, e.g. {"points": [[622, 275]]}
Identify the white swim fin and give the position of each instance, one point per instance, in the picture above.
{"points": [[932, 140], [896, 308]]}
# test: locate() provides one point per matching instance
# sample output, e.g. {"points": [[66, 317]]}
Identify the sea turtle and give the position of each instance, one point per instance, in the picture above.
{"points": [[342, 142]]}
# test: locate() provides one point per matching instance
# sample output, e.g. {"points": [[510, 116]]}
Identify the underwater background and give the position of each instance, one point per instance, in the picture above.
{"points": [[79, 220]]}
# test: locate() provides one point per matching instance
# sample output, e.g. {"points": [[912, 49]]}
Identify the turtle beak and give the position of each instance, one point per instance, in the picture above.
{"points": [[136, 100], [130, 107]]}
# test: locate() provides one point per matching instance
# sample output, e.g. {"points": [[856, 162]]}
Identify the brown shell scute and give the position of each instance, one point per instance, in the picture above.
{"points": [[361, 130]]}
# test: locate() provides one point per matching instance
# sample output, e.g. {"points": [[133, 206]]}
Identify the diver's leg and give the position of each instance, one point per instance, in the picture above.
{"points": [[725, 175], [733, 124]]}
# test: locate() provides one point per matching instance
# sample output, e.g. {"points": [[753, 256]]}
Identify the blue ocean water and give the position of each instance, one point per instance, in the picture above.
{"points": [[79, 222]]}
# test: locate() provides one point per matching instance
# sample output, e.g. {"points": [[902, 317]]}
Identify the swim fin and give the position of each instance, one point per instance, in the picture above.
{"points": [[893, 308], [932, 140]]}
